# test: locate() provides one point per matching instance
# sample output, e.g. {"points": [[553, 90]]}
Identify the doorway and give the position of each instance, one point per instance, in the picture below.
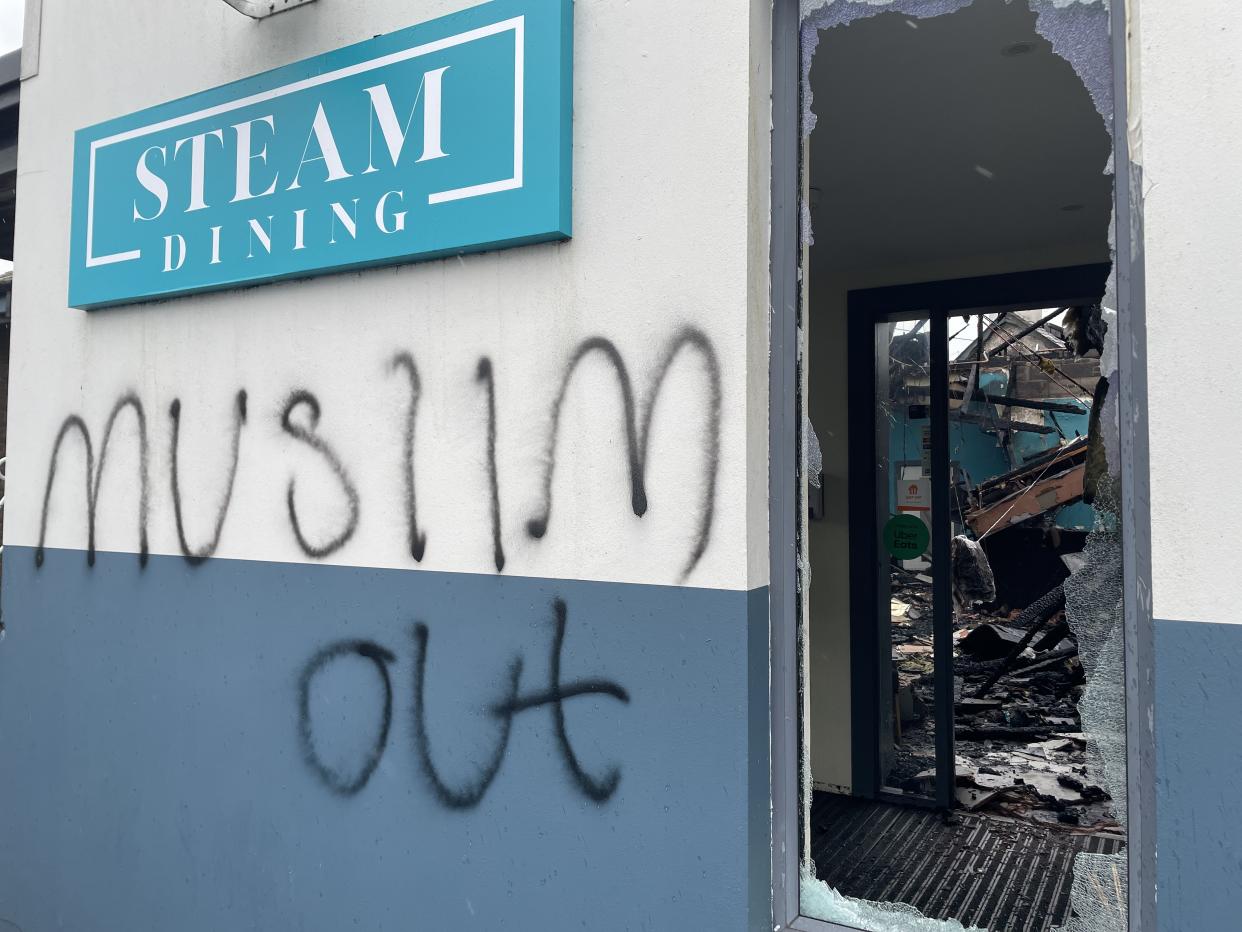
{"points": [[966, 675], [963, 383], [963, 700]]}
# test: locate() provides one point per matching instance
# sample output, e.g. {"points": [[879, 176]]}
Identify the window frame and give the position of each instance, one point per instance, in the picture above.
{"points": [[938, 302], [786, 500]]}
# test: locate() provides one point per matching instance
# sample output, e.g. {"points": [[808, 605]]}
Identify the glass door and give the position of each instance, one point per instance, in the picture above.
{"points": [[913, 633]]}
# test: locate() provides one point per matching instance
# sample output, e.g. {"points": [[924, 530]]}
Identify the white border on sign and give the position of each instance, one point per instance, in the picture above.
{"points": [[517, 26]]}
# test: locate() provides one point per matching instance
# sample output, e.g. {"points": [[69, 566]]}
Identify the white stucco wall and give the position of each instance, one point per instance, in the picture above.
{"points": [[1191, 85], [670, 220]]}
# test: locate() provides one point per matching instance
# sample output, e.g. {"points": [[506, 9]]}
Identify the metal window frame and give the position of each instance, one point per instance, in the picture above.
{"points": [[785, 494], [935, 302], [783, 459]]}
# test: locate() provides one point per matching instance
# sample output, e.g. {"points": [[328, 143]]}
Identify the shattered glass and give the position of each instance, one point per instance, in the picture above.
{"points": [[1079, 32], [814, 456], [818, 15], [1099, 894], [1094, 610], [823, 902]]}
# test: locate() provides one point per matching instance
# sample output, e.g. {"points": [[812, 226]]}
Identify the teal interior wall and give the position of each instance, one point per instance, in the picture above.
{"points": [[980, 455]]}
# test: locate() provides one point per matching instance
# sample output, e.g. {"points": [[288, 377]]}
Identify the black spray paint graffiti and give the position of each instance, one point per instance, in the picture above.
{"points": [[599, 790], [94, 474], [310, 438], [418, 542], [382, 658], [469, 795], [637, 427], [198, 556], [638, 436], [484, 376]]}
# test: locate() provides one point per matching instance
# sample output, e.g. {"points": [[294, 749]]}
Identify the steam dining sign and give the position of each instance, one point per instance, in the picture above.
{"points": [[447, 137]]}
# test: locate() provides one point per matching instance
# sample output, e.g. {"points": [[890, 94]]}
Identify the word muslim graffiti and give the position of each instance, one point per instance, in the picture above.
{"points": [[300, 415]]}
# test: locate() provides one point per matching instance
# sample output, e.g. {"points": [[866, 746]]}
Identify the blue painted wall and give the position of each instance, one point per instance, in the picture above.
{"points": [[1199, 775], [157, 774], [155, 713]]}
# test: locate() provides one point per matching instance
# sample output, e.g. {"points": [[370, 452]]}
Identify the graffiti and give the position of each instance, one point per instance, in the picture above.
{"points": [[418, 542], [638, 436], [195, 557], [382, 658], [469, 795], [94, 474], [300, 416], [310, 438], [493, 480], [598, 790]]}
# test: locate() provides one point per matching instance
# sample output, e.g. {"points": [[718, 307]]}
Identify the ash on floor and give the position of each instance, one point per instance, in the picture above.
{"points": [[1020, 748]]}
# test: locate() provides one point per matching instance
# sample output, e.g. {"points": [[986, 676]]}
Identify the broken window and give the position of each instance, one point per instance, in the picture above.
{"points": [[963, 662]]}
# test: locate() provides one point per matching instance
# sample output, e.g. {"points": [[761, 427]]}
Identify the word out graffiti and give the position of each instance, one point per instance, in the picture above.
{"points": [[300, 417], [598, 789]]}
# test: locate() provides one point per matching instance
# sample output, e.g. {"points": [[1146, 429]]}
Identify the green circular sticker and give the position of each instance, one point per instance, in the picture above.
{"points": [[906, 537]]}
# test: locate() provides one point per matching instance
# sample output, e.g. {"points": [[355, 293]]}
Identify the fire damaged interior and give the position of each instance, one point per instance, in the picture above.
{"points": [[1016, 666], [963, 674]]}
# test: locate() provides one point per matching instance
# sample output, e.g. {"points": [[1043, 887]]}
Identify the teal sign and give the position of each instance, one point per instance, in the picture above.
{"points": [[448, 137]]}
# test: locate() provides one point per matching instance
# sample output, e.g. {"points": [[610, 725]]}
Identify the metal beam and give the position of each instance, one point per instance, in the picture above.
{"points": [[999, 423], [942, 596], [1004, 401], [260, 9], [1027, 331], [1008, 401]]}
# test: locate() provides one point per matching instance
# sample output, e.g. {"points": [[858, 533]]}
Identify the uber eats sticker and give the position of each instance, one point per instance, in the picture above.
{"points": [[906, 537], [446, 137]]}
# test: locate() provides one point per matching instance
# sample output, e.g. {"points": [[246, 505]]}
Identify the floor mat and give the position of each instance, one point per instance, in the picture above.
{"points": [[998, 875]]}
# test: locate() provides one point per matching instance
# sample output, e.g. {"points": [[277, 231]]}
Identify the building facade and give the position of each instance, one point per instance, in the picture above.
{"points": [[458, 570]]}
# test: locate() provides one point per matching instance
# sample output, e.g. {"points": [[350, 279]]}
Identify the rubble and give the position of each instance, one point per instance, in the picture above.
{"points": [[1041, 485], [1031, 389], [1021, 753], [993, 641]]}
